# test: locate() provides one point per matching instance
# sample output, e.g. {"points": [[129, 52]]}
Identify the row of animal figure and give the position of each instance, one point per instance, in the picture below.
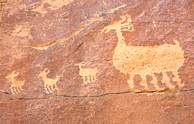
{"points": [[129, 60], [88, 75]]}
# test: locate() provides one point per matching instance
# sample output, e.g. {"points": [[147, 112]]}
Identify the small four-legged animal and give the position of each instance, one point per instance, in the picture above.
{"points": [[87, 74], [50, 85], [16, 85]]}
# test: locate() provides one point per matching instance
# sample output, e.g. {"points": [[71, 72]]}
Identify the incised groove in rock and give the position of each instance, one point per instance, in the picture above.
{"points": [[46, 46], [98, 95], [145, 60], [116, 9]]}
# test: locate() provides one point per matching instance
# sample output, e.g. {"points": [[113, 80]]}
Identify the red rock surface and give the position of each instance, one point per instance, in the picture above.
{"points": [[42, 44]]}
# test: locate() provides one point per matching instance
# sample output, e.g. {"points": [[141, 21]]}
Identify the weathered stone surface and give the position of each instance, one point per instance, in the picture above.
{"points": [[97, 61]]}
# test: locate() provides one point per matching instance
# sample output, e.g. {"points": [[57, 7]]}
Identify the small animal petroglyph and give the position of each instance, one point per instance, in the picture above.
{"points": [[50, 85], [145, 60], [125, 24], [87, 74], [16, 85]]}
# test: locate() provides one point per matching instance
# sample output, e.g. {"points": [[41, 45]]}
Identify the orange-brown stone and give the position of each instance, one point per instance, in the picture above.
{"points": [[97, 61]]}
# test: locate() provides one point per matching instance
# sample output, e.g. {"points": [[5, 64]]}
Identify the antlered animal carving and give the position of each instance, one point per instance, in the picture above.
{"points": [[50, 85], [88, 74], [145, 60], [16, 85]]}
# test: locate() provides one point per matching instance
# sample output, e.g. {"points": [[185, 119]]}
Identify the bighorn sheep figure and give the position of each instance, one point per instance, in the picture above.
{"points": [[145, 60], [16, 85], [87, 74], [50, 85]]}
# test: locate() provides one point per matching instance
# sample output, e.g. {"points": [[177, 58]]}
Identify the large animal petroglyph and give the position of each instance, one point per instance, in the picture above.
{"points": [[87, 74], [50, 85], [16, 85], [145, 60]]}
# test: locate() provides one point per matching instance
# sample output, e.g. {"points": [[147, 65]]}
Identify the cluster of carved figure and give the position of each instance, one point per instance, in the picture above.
{"points": [[129, 60], [88, 75]]}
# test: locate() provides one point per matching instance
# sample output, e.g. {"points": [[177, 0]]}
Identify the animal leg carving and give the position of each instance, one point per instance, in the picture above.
{"points": [[131, 82], [144, 83], [93, 78], [166, 81], [16, 85], [154, 81], [88, 79], [47, 89], [50, 88], [85, 80], [16, 90], [177, 79]]}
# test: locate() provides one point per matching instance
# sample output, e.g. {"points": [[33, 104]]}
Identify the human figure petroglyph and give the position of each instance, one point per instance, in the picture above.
{"points": [[50, 85], [145, 60], [16, 85], [87, 74]]}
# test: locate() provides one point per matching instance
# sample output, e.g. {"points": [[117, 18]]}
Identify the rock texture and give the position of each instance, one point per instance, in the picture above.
{"points": [[97, 61]]}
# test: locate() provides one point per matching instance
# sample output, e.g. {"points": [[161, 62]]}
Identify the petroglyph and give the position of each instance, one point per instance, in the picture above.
{"points": [[50, 85], [51, 5], [55, 42], [145, 60], [125, 24], [88, 75], [16, 85]]}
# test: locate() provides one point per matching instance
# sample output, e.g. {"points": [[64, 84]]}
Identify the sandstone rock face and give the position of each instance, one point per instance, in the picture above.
{"points": [[97, 61]]}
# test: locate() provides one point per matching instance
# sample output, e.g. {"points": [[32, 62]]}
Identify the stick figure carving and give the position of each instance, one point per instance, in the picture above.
{"points": [[50, 85], [145, 60], [16, 85], [87, 74]]}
